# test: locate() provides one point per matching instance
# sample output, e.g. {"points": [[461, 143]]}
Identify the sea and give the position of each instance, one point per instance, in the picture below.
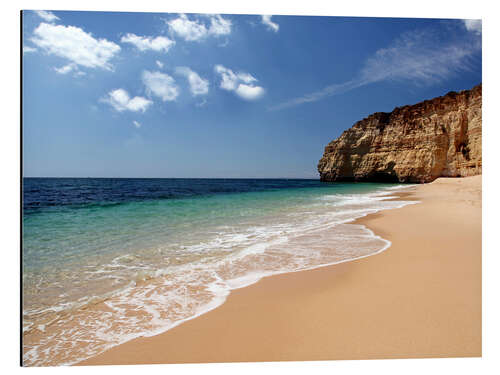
{"points": [[107, 260]]}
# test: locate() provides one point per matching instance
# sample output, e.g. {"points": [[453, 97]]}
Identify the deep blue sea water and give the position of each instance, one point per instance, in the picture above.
{"points": [[108, 260]]}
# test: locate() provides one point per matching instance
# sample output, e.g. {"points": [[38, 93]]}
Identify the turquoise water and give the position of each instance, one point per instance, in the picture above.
{"points": [[107, 260]]}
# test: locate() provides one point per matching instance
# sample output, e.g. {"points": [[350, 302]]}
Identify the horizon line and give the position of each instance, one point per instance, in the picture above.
{"points": [[185, 178]]}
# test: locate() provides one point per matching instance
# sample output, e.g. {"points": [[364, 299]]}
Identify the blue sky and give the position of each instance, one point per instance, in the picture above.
{"points": [[174, 95]]}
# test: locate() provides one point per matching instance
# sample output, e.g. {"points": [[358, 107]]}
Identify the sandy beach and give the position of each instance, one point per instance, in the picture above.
{"points": [[419, 298]]}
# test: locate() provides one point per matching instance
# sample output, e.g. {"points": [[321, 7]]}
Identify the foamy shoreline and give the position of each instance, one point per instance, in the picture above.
{"points": [[165, 358], [220, 294], [394, 305]]}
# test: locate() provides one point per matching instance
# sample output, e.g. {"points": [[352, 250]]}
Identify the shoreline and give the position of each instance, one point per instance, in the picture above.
{"points": [[361, 309], [102, 308]]}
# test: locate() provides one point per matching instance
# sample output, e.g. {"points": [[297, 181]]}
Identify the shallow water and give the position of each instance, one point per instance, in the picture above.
{"points": [[108, 260]]}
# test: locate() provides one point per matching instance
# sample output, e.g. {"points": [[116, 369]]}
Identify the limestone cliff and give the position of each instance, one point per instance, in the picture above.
{"points": [[414, 143]]}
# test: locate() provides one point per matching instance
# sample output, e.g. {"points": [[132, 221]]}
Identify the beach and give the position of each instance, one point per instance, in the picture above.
{"points": [[419, 298]]}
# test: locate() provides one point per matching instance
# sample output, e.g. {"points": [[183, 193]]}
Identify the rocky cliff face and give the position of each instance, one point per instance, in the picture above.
{"points": [[414, 143]]}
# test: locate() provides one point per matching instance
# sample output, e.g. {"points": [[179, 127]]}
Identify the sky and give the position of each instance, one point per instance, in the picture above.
{"points": [[206, 95]]}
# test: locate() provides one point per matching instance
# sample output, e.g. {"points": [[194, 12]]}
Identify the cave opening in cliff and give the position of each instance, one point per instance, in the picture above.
{"points": [[381, 177]]}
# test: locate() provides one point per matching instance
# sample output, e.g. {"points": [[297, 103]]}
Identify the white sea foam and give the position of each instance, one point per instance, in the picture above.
{"points": [[236, 256]]}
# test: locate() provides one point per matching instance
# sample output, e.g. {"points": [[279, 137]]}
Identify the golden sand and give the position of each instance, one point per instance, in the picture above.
{"points": [[419, 298]]}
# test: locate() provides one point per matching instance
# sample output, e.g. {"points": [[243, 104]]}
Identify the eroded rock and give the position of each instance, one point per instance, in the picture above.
{"points": [[414, 143]]}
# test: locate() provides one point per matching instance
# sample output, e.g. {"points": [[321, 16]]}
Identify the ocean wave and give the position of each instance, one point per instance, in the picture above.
{"points": [[199, 276]]}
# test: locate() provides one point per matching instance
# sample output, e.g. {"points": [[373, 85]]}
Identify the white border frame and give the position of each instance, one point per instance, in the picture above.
{"points": [[10, 149]]}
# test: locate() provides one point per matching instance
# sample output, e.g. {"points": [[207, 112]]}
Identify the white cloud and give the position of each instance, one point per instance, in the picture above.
{"points": [[137, 124], [161, 85], [144, 43], [219, 25], [418, 57], [249, 92], [66, 69], [197, 85], [187, 29], [475, 26], [228, 78], [266, 20], [27, 49], [70, 68], [76, 45], [246, 77], [46, 15], [192, 30], [159, 63], [120, 100], [241, 83]]}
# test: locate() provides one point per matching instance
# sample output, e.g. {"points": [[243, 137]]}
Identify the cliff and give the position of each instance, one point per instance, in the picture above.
{"points": [[414, 143]]}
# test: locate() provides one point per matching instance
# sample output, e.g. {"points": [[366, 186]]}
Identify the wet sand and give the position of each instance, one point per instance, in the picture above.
{"points": [[419, 298]]}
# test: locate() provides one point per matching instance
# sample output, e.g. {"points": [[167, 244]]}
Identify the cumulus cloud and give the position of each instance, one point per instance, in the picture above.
{"points": [[230, 80], [248, 92], [219, 25], [475, 26], [144, 43], [187, 29], [137, 124], [161, 85], [159, 64], [66, 69], [76, 45], [194, 30], [120, 100], [46, 15], [197, 85], [266, 20], [241, 83], [418, 57]]}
